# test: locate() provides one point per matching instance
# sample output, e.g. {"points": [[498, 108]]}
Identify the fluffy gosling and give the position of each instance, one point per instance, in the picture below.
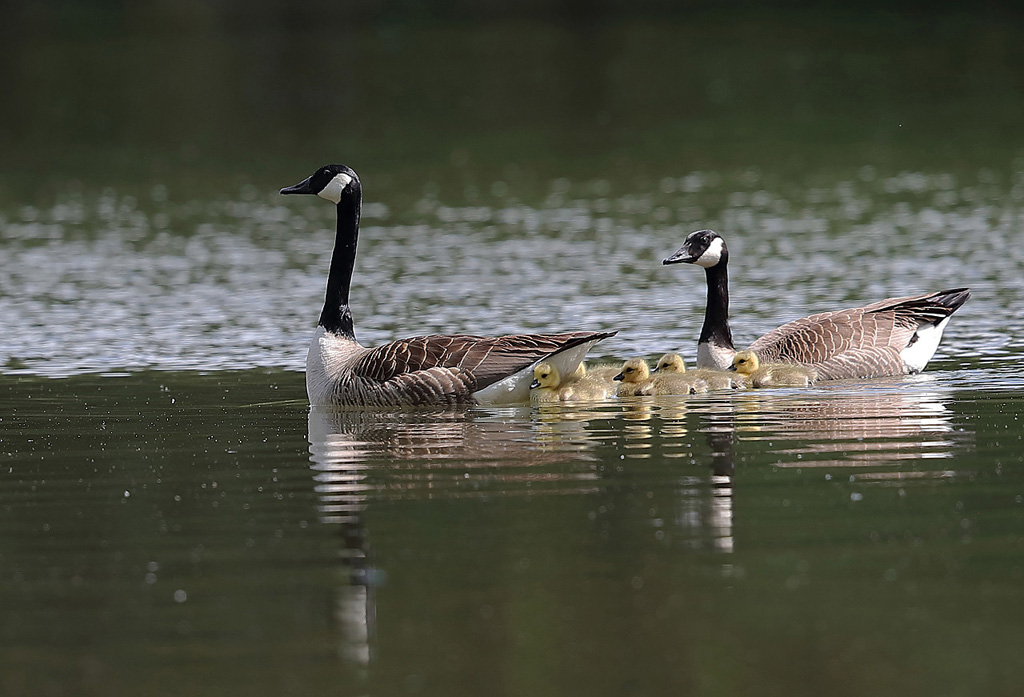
{"points": [[548, 387], [772, 374], [600, 373], [716, 379], [636, 379]]}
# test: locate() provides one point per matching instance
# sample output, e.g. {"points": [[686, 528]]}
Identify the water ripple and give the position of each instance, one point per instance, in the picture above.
{"points": [[113, 282]]}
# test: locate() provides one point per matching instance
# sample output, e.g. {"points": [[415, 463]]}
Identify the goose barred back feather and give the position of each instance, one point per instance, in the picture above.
{"points": [[859, 342], [435, 369]]}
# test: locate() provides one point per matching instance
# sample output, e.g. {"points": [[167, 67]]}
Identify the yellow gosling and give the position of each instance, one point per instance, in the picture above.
{"points": [[548, 387], [772, 374], [636, 379], [671, 363], [633, 378], [716, 379], [580, 372], [592, 384], [601, 373]]}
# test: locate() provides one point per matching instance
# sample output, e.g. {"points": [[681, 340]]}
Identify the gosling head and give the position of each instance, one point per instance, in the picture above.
{"points": [[330, 182], [745, 362], [634, 370], [704, 248], [545, 375], [671, 363]]}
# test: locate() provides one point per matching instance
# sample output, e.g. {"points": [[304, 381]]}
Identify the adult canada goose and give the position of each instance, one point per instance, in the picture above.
{"points": [[771, 374], [548, 386], [422, 370], [716, 379], [636, 379], [890, 337]]}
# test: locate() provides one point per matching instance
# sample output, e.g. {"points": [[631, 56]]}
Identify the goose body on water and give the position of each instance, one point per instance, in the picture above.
{"points": [[716, 379], [746, 363], [422, 370], [896, 336]]}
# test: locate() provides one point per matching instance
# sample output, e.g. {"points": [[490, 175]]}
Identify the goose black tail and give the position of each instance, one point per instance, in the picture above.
{"points": [[951, 299]]}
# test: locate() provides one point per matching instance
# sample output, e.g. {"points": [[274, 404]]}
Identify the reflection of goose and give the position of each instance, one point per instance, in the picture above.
{"points": [[891, 337], [420, 370], [636, 379], [771, 374], [716, 379], [859, 427], [449, 444], [548, 387], [341, 490]]}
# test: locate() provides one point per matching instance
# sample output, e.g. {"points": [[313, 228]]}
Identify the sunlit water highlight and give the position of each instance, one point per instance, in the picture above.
{"points": [[115, 283]]}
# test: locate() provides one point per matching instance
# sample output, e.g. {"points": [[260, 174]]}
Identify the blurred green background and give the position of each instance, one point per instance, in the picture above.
{"points": [[203, 96]]}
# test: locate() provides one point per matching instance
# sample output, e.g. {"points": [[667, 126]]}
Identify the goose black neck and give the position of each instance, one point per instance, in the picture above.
{"points": [[336, 316], [716, 329]]}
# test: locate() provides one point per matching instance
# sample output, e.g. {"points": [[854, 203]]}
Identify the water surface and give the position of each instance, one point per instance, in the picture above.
{"points": [[169, 528], [174, 518]]}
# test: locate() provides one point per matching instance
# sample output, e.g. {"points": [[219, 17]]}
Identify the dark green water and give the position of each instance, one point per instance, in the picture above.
{"points": [[175, 520], [168, 532]]}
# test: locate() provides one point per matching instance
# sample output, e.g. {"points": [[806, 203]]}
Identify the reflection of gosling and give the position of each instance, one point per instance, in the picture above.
{"points": [[716, 379], [548, 387], [636, 379], [772, 374]]}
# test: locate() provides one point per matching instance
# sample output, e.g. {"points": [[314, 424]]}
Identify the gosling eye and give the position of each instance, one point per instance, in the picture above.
{"points": [[544, 375]]}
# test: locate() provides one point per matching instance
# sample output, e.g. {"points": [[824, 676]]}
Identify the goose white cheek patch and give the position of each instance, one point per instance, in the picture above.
{"points": [[712, 255], [332, 192]]}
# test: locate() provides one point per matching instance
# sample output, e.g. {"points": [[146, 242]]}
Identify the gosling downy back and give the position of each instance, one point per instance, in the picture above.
{"points": [[549, 386], [759, 374], [636, 379], [673, 363]]}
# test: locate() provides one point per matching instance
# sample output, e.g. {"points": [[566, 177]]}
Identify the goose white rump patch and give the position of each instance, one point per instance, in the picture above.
{"points": [[916, 356]]}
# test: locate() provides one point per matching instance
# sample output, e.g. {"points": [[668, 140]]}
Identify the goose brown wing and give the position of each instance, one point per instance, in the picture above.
{"points": [[870, 362], [819, 337], [859, 341], [476, 361]]}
